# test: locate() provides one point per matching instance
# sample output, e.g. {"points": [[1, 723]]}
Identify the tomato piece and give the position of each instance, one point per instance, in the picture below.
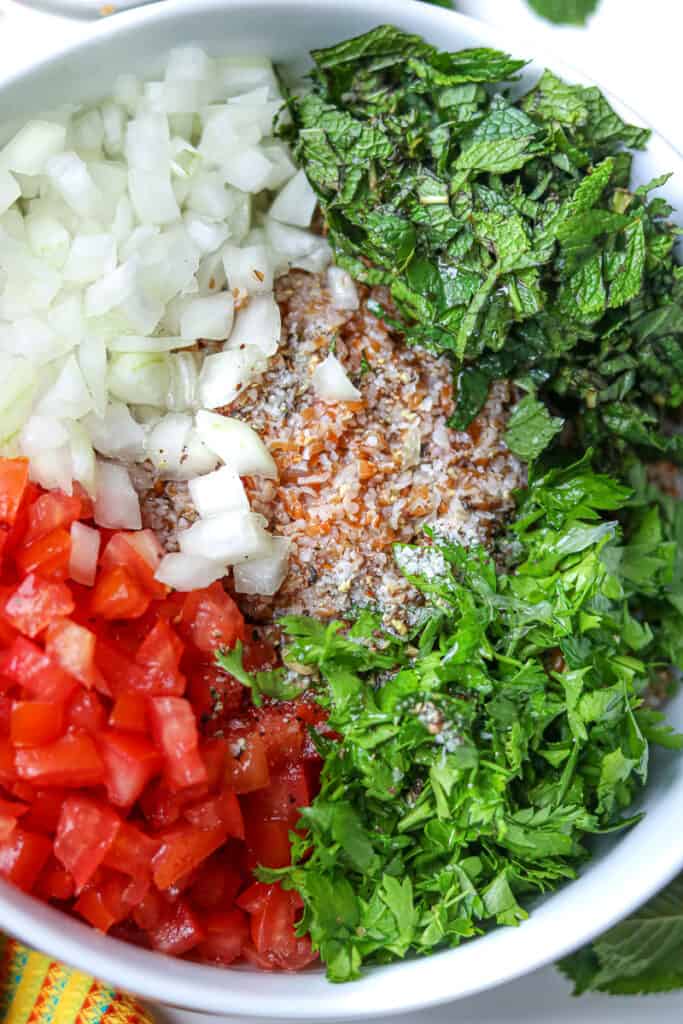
{"points": [[174, 728], [109, 900], [55, 883], [246, 764], [86, 830], [253, 898], [182, 848], [178, 932], [129, 713], [140, 553], [213, 693], [118, 595], [227, 933], [273, 933], [4, 537], [130, 762], [48, 556], [217, 883], [159, 657], [163, 807], [7, 633], [34, 723], [286, 792], [13, 484], [132, 851], [85, 711], [72, 647], [6, 704], [10, 813], [213, 753], [71, 761], [151, 910], [210, 619], [215, 811], [267, 842], [27, 665], [35, 602], [22, 857], [120, 674], [44, 808], [282, 734], [8, 773], [53, 510]]}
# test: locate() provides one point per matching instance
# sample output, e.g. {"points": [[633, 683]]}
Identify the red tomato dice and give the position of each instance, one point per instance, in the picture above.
{"points": [[13, 483], [130, 762], [34, 723], [182, 848], [72, 647], [129, 713], [210, 619], [35, 603], [159, 658], [46, 555], [22, 857], [227, 932], [246, 764], [118, 595], [179, 931], [132, 851], [175, 730], [55, 883], [85, 711], [86, 830], [140, 553], [25, 664], [273, 932], [217, 882], [267, 842], [71, 761], [52, 511], [214, 811]]}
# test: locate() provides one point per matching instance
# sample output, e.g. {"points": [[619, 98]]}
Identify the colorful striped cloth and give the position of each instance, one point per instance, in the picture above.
{"points": [[37, 990]]}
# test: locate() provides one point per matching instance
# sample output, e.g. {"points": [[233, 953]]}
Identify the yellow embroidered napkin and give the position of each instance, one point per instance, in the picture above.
{"points": [[37, 990]]}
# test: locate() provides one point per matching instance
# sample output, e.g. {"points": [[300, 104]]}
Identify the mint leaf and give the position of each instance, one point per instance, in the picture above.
{"points": [[643, 954], [530, 429], [570, 12]]}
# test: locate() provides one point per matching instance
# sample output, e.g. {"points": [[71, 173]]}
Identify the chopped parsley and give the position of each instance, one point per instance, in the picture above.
{"points": [[480, 753]]}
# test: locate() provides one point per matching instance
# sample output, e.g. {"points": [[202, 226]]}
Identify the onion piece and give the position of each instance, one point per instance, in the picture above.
{"points": [[236, 444], [10, 190], [116, 434], [85, 548], [258, 323], [224, 375], [52, 469], [264, 575], [83, 461], [247, 169], [90, 257], [296, 202], [209, 317], [189, 572], [92, 358], [69, 395], [71, 178], [136, 343], [217, 492], [33, 145], [230, 538], [116, 505], [165, 444], [331, 383], [139, 377], [249, 267], [342, 288], [42, 433]]}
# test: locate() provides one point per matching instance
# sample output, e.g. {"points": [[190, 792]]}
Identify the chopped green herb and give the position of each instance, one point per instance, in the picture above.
{"points": [[274, 683], [531, 429]]}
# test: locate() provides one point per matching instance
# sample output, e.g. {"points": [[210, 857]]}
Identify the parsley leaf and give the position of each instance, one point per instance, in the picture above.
{"points": [[530, 429], [274, 683]]}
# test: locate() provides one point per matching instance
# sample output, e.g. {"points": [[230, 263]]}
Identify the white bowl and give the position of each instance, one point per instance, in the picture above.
{"points": [[627, 869]]}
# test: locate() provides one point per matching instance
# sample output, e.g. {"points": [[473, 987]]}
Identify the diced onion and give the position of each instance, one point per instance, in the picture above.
{"points": [[296, 202], [263, 575], [116, 434], [236, 444], [331, 383], [10, 190], [116, 506], [90, 257], [52, 469], [189, 572], [225, 374], [166, 442], [32, 147], [217, 492], [69, 395], [249, 268], [139, 377], [258, 324], [342, 288], [85, 547], [209, 317], [41, 433], [230, 538]]}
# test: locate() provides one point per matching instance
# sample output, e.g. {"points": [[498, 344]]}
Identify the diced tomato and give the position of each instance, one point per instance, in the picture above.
{"points": [[159, 657], [27, 665], [8, 773], [175, 731], [246, 769], [139, 553], [71, 761], [8, 634], [227, 933], [35, 603], [34, 723], [213, 693], [85, 711], [163, 807], [282, 734], [44, 808], [183, 847], [13, 483], [130, 762], [217, 882], [132, 851], [253, 898], [178, 932], [48, 556], [215, 811], [55, 882], [4, 537], [120, 674], [268, 842], [72, 647], [150, 911], [22, 857], [52, 511], [210, 619], [118, 595], [286, 792], [259, 655], [129, 713], [10, 813], [213, 753], [273, 933], [86, 830], [108, 901], [6, 704]]}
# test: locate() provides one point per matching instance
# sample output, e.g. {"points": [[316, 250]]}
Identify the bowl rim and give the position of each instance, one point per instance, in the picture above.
{"points": [[427, 981]]}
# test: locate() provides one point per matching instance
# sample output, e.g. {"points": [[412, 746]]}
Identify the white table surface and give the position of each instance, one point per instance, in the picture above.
{"points": [[633, 47]]}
